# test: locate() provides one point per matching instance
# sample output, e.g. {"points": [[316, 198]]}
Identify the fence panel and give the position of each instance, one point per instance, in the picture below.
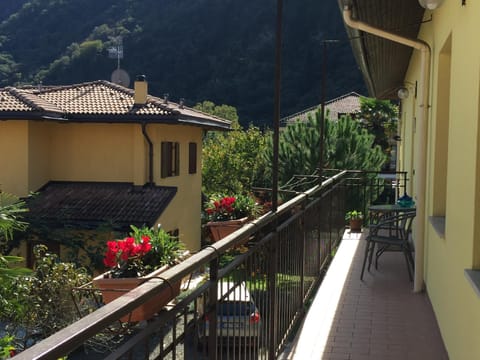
{"points": [[242, 297]]}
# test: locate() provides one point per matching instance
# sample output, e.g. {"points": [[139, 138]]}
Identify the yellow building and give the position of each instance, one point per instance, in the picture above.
{"points": [[101, 153], [430, 57]]}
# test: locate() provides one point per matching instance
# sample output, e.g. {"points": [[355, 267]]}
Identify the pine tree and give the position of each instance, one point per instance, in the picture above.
{"points": [[347, 146]]}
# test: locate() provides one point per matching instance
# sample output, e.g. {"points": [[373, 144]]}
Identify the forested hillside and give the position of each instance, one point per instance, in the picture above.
{"points": [[9, 7], [218, 50]]}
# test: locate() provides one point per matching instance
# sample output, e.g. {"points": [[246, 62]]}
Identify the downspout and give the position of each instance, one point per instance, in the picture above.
{"points": [[150, 153], [421, 163]]}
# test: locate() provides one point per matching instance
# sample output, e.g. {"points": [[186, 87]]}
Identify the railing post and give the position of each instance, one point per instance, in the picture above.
{"points": [[212, 314], [272, 289], [330, 225], [302, 252]]}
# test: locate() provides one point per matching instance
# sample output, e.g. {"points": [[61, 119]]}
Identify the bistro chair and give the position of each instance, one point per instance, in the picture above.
{"points": [[390, 233]]}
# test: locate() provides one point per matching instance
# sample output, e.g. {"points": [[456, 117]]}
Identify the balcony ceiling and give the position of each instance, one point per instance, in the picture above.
{"points": [[383, 62]]}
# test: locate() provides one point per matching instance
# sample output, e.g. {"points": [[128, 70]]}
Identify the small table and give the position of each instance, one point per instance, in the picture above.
{"points": [[377, 212]]}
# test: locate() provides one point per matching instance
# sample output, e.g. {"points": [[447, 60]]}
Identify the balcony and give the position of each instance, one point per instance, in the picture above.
{"points": [[281, 259], [378, 318]]}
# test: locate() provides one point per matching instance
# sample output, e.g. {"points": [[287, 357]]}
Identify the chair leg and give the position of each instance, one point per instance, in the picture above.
{"points": [[370, 257], [379, 253], [412, 261], [367, 246], [407, 260], [410, 257]]}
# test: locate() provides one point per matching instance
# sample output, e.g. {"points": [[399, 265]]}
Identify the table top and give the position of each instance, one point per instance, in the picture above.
{"points": [[390, 208]]}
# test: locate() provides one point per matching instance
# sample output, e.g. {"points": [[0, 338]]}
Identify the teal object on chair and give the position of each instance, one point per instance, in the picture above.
{"points": [[406, 201]]}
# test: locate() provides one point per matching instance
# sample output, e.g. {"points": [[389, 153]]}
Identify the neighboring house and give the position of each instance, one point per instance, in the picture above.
{"points": [[348, 104], [98, 153], [433, 58]]}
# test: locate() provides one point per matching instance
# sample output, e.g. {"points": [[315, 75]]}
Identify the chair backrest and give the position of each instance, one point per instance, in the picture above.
{"points": [[406, 223], [400, 223]]}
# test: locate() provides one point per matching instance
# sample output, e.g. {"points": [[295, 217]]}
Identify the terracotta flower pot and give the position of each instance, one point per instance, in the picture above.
{"points": [[113, 288], [356, 225], [221, 229]]}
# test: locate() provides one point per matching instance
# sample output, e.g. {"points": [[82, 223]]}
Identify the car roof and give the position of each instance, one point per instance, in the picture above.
{"points": [[239, 292]]}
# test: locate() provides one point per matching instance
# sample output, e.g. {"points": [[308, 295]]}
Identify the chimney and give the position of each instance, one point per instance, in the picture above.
{"points": [[141, 90]]}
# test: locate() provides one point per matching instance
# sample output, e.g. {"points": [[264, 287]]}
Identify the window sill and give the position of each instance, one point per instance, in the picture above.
{"points": [[438, 223], [473, 276]]}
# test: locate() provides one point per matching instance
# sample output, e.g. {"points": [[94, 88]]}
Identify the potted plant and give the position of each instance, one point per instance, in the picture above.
{"points": [[355, 219], [226, 214], [144, 254]]}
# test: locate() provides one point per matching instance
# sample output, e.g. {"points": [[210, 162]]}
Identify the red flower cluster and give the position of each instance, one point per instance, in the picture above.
{"points": [[121, 251], [223, 206]]}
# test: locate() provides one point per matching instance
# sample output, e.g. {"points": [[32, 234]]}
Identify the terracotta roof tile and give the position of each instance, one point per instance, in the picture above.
{"points": [[92, 203], [10, 102], [99, 101]]}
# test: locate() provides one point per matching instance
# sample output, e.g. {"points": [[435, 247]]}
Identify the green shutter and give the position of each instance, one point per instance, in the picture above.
{"points": [[166, 159], [176, 160], [192, 158]]}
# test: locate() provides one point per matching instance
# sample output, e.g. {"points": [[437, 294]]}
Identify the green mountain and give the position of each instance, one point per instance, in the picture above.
{"points": [[218, 50], [9, 7]]}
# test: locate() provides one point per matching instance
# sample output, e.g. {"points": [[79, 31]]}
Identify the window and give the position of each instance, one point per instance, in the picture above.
{"points": [[170, 159], [174, 233], [192, 158], [440, 161]]}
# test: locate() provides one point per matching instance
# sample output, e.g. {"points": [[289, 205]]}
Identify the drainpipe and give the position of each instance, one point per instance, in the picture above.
{"points": [[420, 156], [150, 153]]}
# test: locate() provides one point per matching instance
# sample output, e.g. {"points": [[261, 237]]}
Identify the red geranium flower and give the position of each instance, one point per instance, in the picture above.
{"points": [[221, 208], [123, 253]]}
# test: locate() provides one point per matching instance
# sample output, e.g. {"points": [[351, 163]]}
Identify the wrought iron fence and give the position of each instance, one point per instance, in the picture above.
{"points": [[242, 297], [365, 188]]}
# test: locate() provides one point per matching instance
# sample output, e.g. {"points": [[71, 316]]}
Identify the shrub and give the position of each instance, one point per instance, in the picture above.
{"points": [[37, 305]]}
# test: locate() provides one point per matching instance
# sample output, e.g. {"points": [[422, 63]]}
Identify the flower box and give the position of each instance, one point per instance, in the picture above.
{"points": [[221, 229], [112, 288]]}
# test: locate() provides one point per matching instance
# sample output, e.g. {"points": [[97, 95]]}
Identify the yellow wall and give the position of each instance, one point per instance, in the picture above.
{"points": [[455, 303], [34, 153], [405, 153], [186, 206], [92, 152], [39, 148], [14, 157]]}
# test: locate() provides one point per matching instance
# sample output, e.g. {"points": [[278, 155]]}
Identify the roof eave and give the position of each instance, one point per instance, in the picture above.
{"points": [[382, 62]]}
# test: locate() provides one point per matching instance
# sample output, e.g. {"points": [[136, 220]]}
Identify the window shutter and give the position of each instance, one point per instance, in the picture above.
{"points": [[192, 158], [166, 159], [176, 159], [170, 159]]}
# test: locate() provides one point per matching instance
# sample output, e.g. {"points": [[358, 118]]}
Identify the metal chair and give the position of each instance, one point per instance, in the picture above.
{"points": [[390, 233]]}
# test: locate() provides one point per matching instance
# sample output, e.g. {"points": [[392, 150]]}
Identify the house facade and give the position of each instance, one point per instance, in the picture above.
{"points": [[104, 153], [347, 104], [430, 58]]}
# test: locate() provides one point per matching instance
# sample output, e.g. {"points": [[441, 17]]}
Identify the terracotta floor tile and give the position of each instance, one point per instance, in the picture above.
{"points": [[379, 318]]}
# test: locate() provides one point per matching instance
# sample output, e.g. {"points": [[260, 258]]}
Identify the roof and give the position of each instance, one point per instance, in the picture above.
{"points": [[345, 104], [97, 101], [90, 204], [383, 62]]}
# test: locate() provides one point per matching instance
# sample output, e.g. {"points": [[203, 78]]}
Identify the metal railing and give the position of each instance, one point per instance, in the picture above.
{"points": [[273, 264], [365, 188]]}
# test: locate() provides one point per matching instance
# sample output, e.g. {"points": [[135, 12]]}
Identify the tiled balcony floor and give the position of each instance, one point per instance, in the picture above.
{"points": [[377, 319]]}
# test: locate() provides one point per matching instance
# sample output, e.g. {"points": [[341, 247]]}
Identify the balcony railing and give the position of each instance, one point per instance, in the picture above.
{"points": [[276, 261]]}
